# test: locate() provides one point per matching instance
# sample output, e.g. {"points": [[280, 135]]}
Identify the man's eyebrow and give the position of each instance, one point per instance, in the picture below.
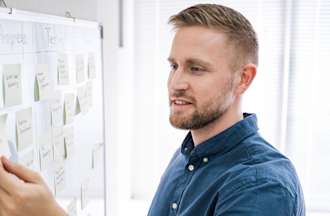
{"points": [[198, 61], [193, 61], [170, 59]]}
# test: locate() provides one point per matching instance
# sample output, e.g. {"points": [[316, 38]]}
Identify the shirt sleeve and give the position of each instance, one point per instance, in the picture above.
{"points": [[254, 198]]}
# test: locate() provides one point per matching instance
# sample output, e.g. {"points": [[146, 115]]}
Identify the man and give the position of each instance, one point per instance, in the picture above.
{"points": [[224, 166]]}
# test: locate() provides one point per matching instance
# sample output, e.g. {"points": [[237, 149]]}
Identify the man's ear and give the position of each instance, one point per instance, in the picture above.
{"points": [[246, 76]]}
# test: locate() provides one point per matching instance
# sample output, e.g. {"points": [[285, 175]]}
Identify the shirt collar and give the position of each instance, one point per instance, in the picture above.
{"points": [[222, 142]]}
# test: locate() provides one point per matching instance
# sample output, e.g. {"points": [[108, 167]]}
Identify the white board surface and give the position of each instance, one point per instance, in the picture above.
{"points": [[67, 144]]}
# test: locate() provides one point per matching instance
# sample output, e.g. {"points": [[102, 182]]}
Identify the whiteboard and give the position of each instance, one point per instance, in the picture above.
{"points": [[29, 39]]}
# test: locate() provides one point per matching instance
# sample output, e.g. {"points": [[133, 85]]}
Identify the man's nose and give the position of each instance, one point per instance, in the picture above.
{"points": [[178, 81]]}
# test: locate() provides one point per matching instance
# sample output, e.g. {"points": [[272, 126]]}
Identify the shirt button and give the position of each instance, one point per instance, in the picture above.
{"points": [[205, 160], [191, 167], [174, 206]]}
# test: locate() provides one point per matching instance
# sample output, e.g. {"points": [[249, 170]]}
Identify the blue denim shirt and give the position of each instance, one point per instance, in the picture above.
{"points": [[233, 173]]}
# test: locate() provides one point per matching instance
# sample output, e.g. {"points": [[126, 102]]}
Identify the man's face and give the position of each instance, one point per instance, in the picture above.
{"points": [[201, 82]]}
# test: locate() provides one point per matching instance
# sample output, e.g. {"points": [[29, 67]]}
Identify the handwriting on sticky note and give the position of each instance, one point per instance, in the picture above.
{"points": [[42, 88], [72, 207], [85, 97], [12, 81], [59, 176], [63, 69], [45, 154], [80, 68], [68, 141], [12, 40], [58, 143], [56, 107], [85, 193], [69, 108], [91, 66], [24, 133]]}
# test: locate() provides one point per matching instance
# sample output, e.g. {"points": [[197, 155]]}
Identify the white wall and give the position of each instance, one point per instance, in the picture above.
{"points": [[83, 9], [118, 93]]}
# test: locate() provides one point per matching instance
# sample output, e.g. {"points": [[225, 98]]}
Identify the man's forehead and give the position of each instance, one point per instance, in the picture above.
{"points": [[199, 39], [199, 33]]}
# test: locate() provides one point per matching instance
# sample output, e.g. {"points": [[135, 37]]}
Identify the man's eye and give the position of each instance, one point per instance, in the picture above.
{"points": [[196, 69], [174, 66]]}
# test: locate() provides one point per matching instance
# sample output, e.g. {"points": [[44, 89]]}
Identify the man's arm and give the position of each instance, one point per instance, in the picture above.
{"points": [[23, 192], [265, 198]]}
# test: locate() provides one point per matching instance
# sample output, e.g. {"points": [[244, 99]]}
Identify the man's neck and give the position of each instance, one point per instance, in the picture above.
{"points": [[228, 119]]}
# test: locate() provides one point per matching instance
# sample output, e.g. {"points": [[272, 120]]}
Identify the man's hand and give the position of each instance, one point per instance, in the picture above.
{"points": [[24, 193]]}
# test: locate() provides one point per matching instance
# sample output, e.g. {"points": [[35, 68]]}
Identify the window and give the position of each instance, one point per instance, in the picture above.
{"points": [[308, 104], [290, 93]]}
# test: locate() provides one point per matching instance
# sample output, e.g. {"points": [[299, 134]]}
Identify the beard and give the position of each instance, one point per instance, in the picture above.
{"points": [[208, 112]]}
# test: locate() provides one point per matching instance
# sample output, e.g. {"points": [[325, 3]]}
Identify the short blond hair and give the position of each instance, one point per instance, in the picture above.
{"points": [[238, 29]]}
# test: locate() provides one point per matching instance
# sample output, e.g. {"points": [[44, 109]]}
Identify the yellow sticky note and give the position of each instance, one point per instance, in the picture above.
{"points": [[58, 142], [96, 155], [56, 109], [68, 141], [42, 84], [80, 68], [84, 97], [63, 77], [12, 84], [72, 207], [91, 66], [89, 94], [59, 176], [26, 158], [24, 133], [84, 193], [69, 108], [45, 151]]}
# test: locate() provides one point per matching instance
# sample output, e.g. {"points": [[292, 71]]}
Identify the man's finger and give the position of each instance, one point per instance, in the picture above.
{"points": [[8, 181], [20, 171]]}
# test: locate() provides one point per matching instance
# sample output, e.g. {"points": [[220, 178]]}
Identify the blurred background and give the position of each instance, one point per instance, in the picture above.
{"points": [[290, 93]]}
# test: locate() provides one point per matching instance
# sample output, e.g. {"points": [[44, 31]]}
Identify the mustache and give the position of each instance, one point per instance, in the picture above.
{"points": [[178, 94], [182, 94]]}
